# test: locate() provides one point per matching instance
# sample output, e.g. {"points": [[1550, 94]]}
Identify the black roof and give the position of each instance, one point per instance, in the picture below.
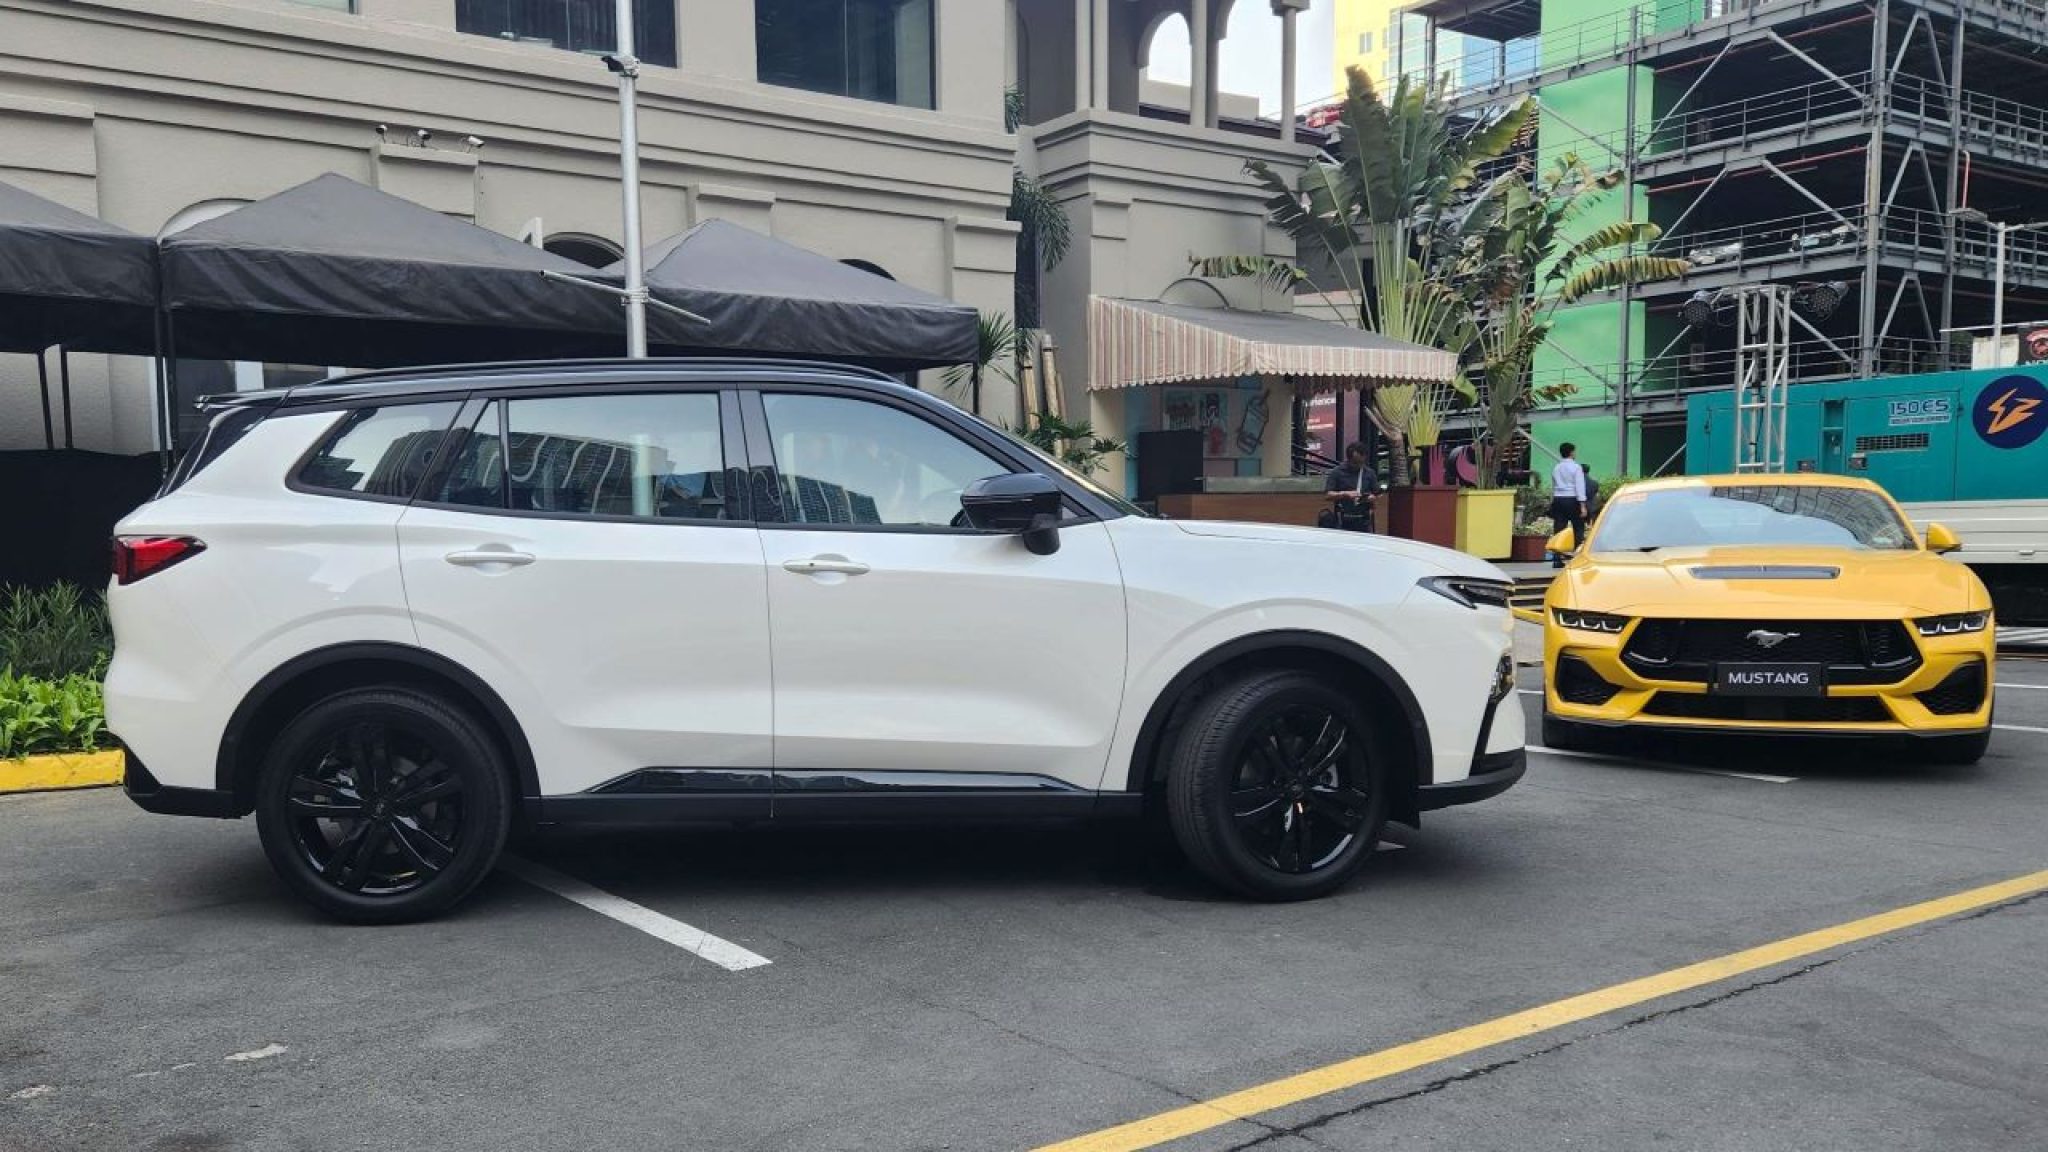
{"points": [[445, 378]]}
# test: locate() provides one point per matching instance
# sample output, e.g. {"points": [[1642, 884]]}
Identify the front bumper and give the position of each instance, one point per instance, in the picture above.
{"points": [[1491, 775], [1901, 708], [151, 796]]}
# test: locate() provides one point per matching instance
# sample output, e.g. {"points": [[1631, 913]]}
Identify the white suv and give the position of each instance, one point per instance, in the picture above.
{"points": [[397, 614]]}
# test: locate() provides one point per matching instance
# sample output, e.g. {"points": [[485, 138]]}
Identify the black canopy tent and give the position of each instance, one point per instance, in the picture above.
{"points": [[334, 272], [760, 296], [66, 278]]}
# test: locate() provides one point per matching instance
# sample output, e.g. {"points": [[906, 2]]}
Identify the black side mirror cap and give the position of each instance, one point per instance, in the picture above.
{"points": [[1024, 504]]}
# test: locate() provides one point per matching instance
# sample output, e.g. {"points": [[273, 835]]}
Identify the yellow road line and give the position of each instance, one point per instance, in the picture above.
{"points": [[64, 770], [1200, 1117]]}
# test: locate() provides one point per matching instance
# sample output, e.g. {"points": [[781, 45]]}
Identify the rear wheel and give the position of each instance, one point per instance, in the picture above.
{"points": [[1955, 751], [1276, 789], [382, 805]]}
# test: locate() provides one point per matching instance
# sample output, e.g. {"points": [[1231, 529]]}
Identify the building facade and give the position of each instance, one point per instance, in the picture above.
{"points": [[873, 131], [1860, 156]]}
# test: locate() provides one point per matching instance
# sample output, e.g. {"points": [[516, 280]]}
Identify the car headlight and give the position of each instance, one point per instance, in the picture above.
{"points": [[1954, 624], [1503, 679], [1590, 621], [1471, 591]]}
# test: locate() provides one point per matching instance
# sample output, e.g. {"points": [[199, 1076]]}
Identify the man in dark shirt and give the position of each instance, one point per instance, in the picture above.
{"points": [[1350, 488]]}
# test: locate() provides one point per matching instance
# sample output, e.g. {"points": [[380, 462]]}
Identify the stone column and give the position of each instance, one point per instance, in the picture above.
{"points": [[1084, 67], [1098, 50], [1286, 10], [1198, 63]]}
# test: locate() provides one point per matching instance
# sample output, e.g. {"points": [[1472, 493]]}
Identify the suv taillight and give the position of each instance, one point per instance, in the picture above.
{"points": [[139, 556]]}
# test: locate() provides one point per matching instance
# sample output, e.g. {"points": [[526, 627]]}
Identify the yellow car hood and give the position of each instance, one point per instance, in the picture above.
{"points": [[1733, 583]]}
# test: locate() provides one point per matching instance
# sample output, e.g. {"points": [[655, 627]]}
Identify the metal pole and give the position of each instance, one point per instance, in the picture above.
{"points": [[1287, 65], [628, 67], [64, 370], [1998, 295], [43, 377]]}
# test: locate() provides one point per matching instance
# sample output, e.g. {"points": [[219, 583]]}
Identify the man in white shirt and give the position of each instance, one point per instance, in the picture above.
{"points": [[1567, 498]]}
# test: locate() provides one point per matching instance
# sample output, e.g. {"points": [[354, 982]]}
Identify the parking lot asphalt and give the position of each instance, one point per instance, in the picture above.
{"points": [[1014, 988]]}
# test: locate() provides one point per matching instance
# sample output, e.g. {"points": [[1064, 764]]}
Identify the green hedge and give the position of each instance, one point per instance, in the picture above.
{"points": [[38, 715], [54, 647]]}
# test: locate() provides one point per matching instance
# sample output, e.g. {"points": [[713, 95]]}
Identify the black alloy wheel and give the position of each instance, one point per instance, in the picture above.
{"points": [[383, 805], [1276, 789], [1299, 797], [379, 814]]}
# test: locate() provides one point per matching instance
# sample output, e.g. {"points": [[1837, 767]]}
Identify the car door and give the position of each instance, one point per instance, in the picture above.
{"points": [[911, 652], [592, 557]]}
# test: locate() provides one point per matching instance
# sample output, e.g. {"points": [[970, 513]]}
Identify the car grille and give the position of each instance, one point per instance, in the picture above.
{"points": [[1961, 692], [1795, 709], [1577, 683], [1855, 651]]}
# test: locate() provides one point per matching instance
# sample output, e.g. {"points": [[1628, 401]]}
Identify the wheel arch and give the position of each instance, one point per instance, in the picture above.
{"points": [[1386, 691], [296, 684]]}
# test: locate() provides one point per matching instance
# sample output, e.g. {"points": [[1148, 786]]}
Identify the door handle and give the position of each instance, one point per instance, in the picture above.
{"points": [[822, 565], [478, 557]]}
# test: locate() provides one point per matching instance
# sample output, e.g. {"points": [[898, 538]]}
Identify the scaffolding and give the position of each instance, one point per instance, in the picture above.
{"points": [[1783, 142]]}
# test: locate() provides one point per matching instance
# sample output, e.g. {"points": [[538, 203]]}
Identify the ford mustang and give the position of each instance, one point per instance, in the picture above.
{"points": [[1801, 603]]}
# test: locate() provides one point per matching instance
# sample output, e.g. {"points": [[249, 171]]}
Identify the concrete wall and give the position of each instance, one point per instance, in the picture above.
{"points": [[138, 109]]}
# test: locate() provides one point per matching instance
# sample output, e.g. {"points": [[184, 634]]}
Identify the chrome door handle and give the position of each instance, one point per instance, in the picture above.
{"points": [[478, 557], [820, 565]]}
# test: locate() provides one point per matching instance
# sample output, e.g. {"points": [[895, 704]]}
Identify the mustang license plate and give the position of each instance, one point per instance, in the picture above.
{"points": [[1771, 679]]}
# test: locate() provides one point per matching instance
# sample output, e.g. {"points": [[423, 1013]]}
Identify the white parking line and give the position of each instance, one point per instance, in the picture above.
{"points": [[2019, 728], [721, 952], [1759, 776], [2032, 687]]}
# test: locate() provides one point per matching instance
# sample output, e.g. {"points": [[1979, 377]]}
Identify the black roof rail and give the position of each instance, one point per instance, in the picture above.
{"points": [[610, 364]]}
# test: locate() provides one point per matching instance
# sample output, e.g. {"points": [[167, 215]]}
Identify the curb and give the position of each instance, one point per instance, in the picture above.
{"points": [[61, 770]]}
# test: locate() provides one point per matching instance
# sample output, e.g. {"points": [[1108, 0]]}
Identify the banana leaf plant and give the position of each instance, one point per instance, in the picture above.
{"points": [[1380, 212], [1526, 251]]}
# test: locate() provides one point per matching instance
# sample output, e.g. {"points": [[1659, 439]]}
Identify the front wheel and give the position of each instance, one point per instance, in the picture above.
{"points": [[1276, 789], [382, 805]]}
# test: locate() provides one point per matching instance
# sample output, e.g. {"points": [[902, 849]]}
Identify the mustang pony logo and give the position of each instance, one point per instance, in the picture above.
{"points": [[1765, 638], [2011, 411]]}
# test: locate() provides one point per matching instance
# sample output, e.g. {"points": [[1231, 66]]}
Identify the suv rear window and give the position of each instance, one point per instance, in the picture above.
{"points": [[221, 433], [382, 452]]}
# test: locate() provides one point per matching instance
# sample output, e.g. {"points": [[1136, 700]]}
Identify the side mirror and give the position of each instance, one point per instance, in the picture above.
{"points": [[1565, 541], [1940, 539], [1022, 504]]}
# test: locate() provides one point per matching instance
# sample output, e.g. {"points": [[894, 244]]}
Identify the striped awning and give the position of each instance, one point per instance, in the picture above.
{"points": [[1136, 342]]}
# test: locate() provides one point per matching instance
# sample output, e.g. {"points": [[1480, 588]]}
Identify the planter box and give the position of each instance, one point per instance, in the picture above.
{"points": [[1486, 522], [1427, 513], [61, 770], [1527, 549]]}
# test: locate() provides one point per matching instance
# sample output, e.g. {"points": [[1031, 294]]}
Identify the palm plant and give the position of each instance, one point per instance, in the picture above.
{"points": [[996, 348], [1380, 212], [1526, 250]]}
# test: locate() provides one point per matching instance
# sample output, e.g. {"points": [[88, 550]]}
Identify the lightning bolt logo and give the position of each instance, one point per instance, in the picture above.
{"points": [[2007, 411]]}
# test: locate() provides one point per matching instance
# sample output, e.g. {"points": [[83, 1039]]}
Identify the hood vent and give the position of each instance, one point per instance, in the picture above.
{"points": [[1765, 572]]}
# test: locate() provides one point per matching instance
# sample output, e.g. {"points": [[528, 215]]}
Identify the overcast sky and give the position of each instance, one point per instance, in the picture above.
{"points": [[1251, 53]]}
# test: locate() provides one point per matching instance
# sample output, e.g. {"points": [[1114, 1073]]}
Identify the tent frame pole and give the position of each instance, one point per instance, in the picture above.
{"points": [[64, 374], [627, 66], [43, 379]]}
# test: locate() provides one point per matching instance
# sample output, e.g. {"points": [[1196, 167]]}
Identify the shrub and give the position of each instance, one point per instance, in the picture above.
{"points": [[55, 632], [38, 715]]}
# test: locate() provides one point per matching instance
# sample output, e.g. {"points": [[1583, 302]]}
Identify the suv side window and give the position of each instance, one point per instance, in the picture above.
{"points": [[844, 461], [646, 456], [383, 452]]}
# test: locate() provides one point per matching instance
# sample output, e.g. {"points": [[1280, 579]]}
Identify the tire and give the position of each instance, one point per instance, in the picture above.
{"points": [[383, 805], [1955, 751], [1320, 821]]}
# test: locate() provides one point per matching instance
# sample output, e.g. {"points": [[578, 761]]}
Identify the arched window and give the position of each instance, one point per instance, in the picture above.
{"points": [[869, 266], [583, 248]]}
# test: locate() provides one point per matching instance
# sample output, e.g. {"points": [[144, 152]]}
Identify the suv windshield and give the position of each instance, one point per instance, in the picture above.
{"points": [[1750, 514]]}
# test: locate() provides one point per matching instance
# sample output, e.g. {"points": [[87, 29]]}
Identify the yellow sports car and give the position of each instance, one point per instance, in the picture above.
{"points": [[1781, 603]]}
